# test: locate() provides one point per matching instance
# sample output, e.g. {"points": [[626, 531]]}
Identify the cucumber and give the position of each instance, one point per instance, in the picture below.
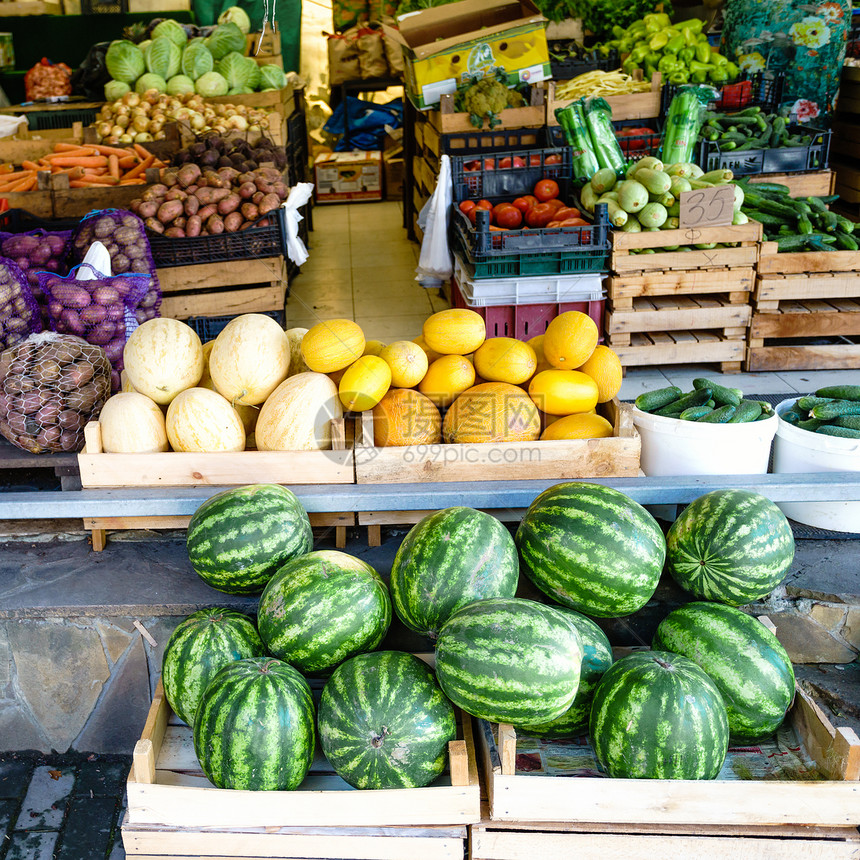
{"points": [[810, 424], [693, 398], [766, 408], [840, 392], [852, 421], [810, 400], [694, 413], [792, 417], [748, 410], [844, 432], [835, 408], [722, 395], [651, 400], [720, 416]]}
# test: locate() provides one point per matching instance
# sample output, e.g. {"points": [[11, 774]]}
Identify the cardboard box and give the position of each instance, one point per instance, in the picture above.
{"points": [[441, 45], [7, 53], [354, 176]]}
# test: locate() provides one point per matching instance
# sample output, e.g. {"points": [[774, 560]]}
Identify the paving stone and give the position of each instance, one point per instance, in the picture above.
{"points": [[88, 833], [8, 816], [14, 777], [5, 661], [808, 642], [32, 845], [18, 732], [851, 628], [102, 778], [114, 638], [46, 799], [828, 616], [825, 570]]}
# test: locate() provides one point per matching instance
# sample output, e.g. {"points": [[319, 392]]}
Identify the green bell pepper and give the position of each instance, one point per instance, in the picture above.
{"points": [[679, 76], [638, 54], [717, 59], [699, 71], [732, 70], [703, 52], [668, 63], [686, 55], [659, 41], [675, 44], [717, 74], [694, 24]]}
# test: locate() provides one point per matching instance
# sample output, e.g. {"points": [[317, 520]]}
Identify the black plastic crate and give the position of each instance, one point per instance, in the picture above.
{"points": [[786, 159], [481, 177], [208, 328], [250, 244], [297, 148], [763, 89], [564, 70], [38, 120], [497, 140], [22, 221]]}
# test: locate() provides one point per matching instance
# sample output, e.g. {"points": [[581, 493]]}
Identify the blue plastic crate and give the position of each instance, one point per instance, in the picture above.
{"points": [[208, 328]]}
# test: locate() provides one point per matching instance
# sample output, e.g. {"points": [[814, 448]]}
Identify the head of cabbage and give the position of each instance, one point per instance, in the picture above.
{"points": [[116, 90], [150, 81], [224, 39], [272, 78], [239, 71], [211, 84], [163, 57], [172, 30], [237, 16], [196, 60], [180, 85], [124, 61]]}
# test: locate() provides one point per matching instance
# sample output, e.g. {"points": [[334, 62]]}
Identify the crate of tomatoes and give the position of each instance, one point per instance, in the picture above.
{"points": [[515, 214]]}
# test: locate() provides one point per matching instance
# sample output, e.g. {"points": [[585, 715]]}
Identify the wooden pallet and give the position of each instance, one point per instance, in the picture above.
{"points": [[730, 312], [166, 789], [630, 106], [726, 348], [679, 282]]}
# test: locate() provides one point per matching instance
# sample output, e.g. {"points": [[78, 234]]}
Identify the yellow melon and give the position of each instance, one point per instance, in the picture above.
{"points": [[570, 339], [364, 383], [162, 357], [563, 392], [202, 420], [432, 355], [492, 412], [406, 417], [297, 415], [332, 345], [456, 331], [583, 425], [248, 414], [536, 343], [408, 363], [297, 361], [604, 367], [131, 423], [447, 377], [373, 347], [505, 359]]}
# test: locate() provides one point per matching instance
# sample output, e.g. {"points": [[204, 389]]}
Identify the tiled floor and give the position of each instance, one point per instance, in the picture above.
{"points": [[362, 267]]}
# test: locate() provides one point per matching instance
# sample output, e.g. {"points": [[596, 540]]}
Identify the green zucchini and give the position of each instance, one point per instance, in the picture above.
{"points": [[648, 401]]}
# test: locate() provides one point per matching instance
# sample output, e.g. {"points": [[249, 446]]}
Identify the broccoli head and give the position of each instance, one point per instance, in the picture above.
{"points": [[487, 98]]}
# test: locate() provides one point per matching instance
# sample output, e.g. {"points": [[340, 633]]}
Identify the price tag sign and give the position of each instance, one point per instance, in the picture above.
{"points": [[707, 207]]}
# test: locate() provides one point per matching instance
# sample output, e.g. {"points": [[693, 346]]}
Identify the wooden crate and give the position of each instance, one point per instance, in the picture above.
{"points": [[154, 6], [631, 106], [746, 237], [76, 202], [833, 801], [730, 312], [818, 183], [223, 289], [30, 7], [447, 120], [167, 788], [283, 100], [811, 298], [621, 292], [32, 145], [646, 349]]}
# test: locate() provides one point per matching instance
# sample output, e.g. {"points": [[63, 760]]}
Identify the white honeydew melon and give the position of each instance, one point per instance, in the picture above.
{"points": [[162, 357], [132, 423], [250, 358], [297, 415], [297, 360], [248, 414], [202, 420]]}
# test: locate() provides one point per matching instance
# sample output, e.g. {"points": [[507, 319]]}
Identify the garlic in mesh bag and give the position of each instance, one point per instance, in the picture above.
{"points": [[51, 385]]}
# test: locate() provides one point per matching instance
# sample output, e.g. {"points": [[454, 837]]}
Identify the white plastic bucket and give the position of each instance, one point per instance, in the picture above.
{"points": [[797, 450], [674, 447]]}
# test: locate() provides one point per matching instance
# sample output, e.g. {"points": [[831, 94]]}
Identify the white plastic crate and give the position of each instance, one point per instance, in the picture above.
{"points": [[557, 289]]}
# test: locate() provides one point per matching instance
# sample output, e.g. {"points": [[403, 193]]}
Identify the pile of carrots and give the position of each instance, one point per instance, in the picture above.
{"points": [[87, 166]]}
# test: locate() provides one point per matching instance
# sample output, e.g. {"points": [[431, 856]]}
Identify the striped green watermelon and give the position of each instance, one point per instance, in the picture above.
{"points": [[509, 660], [596, 659], [732, 546], [321, 608], [384, 722], [254, 727], [449, 559], [657, 715], [199, 646], [741, 656], [237, 539], [592, 549]]}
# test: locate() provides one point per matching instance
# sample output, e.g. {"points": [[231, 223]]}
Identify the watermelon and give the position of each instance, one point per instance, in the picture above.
{"points": [[238, 538], [384, 722], [592, 549], [509, 660], [449, 559], [198, 647], [657, 715], [321, 608], [596, 659], [741, 656], [732, 546], [254, 727]]}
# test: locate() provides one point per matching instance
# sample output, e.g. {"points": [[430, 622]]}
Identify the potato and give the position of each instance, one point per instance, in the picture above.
{"points": [[193, 225], [82, 399], [215, 225], [107, 295], [102, 333], [153, 224], [257, 198], [93, 314], [232, 222], [70, 321], [269, 203], [229, 204], [176, 194], [188, 174], [147, 208], [247, 190], [250, 212], [192, 205], [120, 263], [175, 232], [206, 211], [68, 294], [170, 210]]}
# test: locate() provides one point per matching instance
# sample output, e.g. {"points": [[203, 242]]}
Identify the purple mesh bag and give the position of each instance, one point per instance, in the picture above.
{"points": [[19, 311]]}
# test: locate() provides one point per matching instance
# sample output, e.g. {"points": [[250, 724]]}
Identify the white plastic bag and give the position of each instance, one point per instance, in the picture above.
{"points": [[435, 263], [299, 195], [10, 125]]}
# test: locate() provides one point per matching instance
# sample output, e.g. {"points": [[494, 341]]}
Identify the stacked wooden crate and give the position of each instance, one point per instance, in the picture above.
{"points": [[681, 307], [806, 311], [846, 141]]}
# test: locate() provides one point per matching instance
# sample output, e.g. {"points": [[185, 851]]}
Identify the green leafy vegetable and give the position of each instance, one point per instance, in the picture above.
{"points": [[124, 61], [172, 30], [238, 16], [196, 60], [163, 57], [211, 84]]}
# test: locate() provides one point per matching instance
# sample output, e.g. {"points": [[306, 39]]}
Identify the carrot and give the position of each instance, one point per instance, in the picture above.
{"points": [[90, 181], [16, 177], [113, 166], [80, 161], [143, 153], [128, 161], [132, 182], [118, 151], [26, 184], [141, 168], [66, 147], [80, 152], [32, 165]]}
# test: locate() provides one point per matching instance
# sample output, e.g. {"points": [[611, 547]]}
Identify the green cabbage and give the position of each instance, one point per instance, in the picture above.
{"points": [[211, 84], [180, 84], [144, 44], [116, 90], [196, 60], [237, 16], [163, 57], [239, 91], [172, 30], [272, 78], [253, 73], [150, 81], [224, 39], [124, 61], [236, 70]]}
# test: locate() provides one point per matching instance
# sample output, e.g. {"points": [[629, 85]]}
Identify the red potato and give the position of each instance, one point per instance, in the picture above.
{"points": [[93, 314], [247, 190], [232, 222], [147, 209], [155, 226], [192, 205], [175, 233], [154, 192], [188, 174], [229, 204], [102, 333], [258, 197], [170, 210], [250, 211], [70, 322], [206, 211], [215, 225], [219, 194], [281, 190], [113, 350], [204, 195], [180, 221], [114, 312], [70, 296], [269, 203], [193, 225], [176, 194], [105, 295], [213, 180]]}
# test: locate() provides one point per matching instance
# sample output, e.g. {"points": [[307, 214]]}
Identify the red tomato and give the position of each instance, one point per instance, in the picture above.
{"points": [[489, 164], [508, 216], [554, 158], [567, 212], [555, 203], [554, 224], [507, 162], [483, 204], [546, 189], [471, 165], [534, 161], [522, 204], [540, 215], [467, 206], [574, 222]]}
